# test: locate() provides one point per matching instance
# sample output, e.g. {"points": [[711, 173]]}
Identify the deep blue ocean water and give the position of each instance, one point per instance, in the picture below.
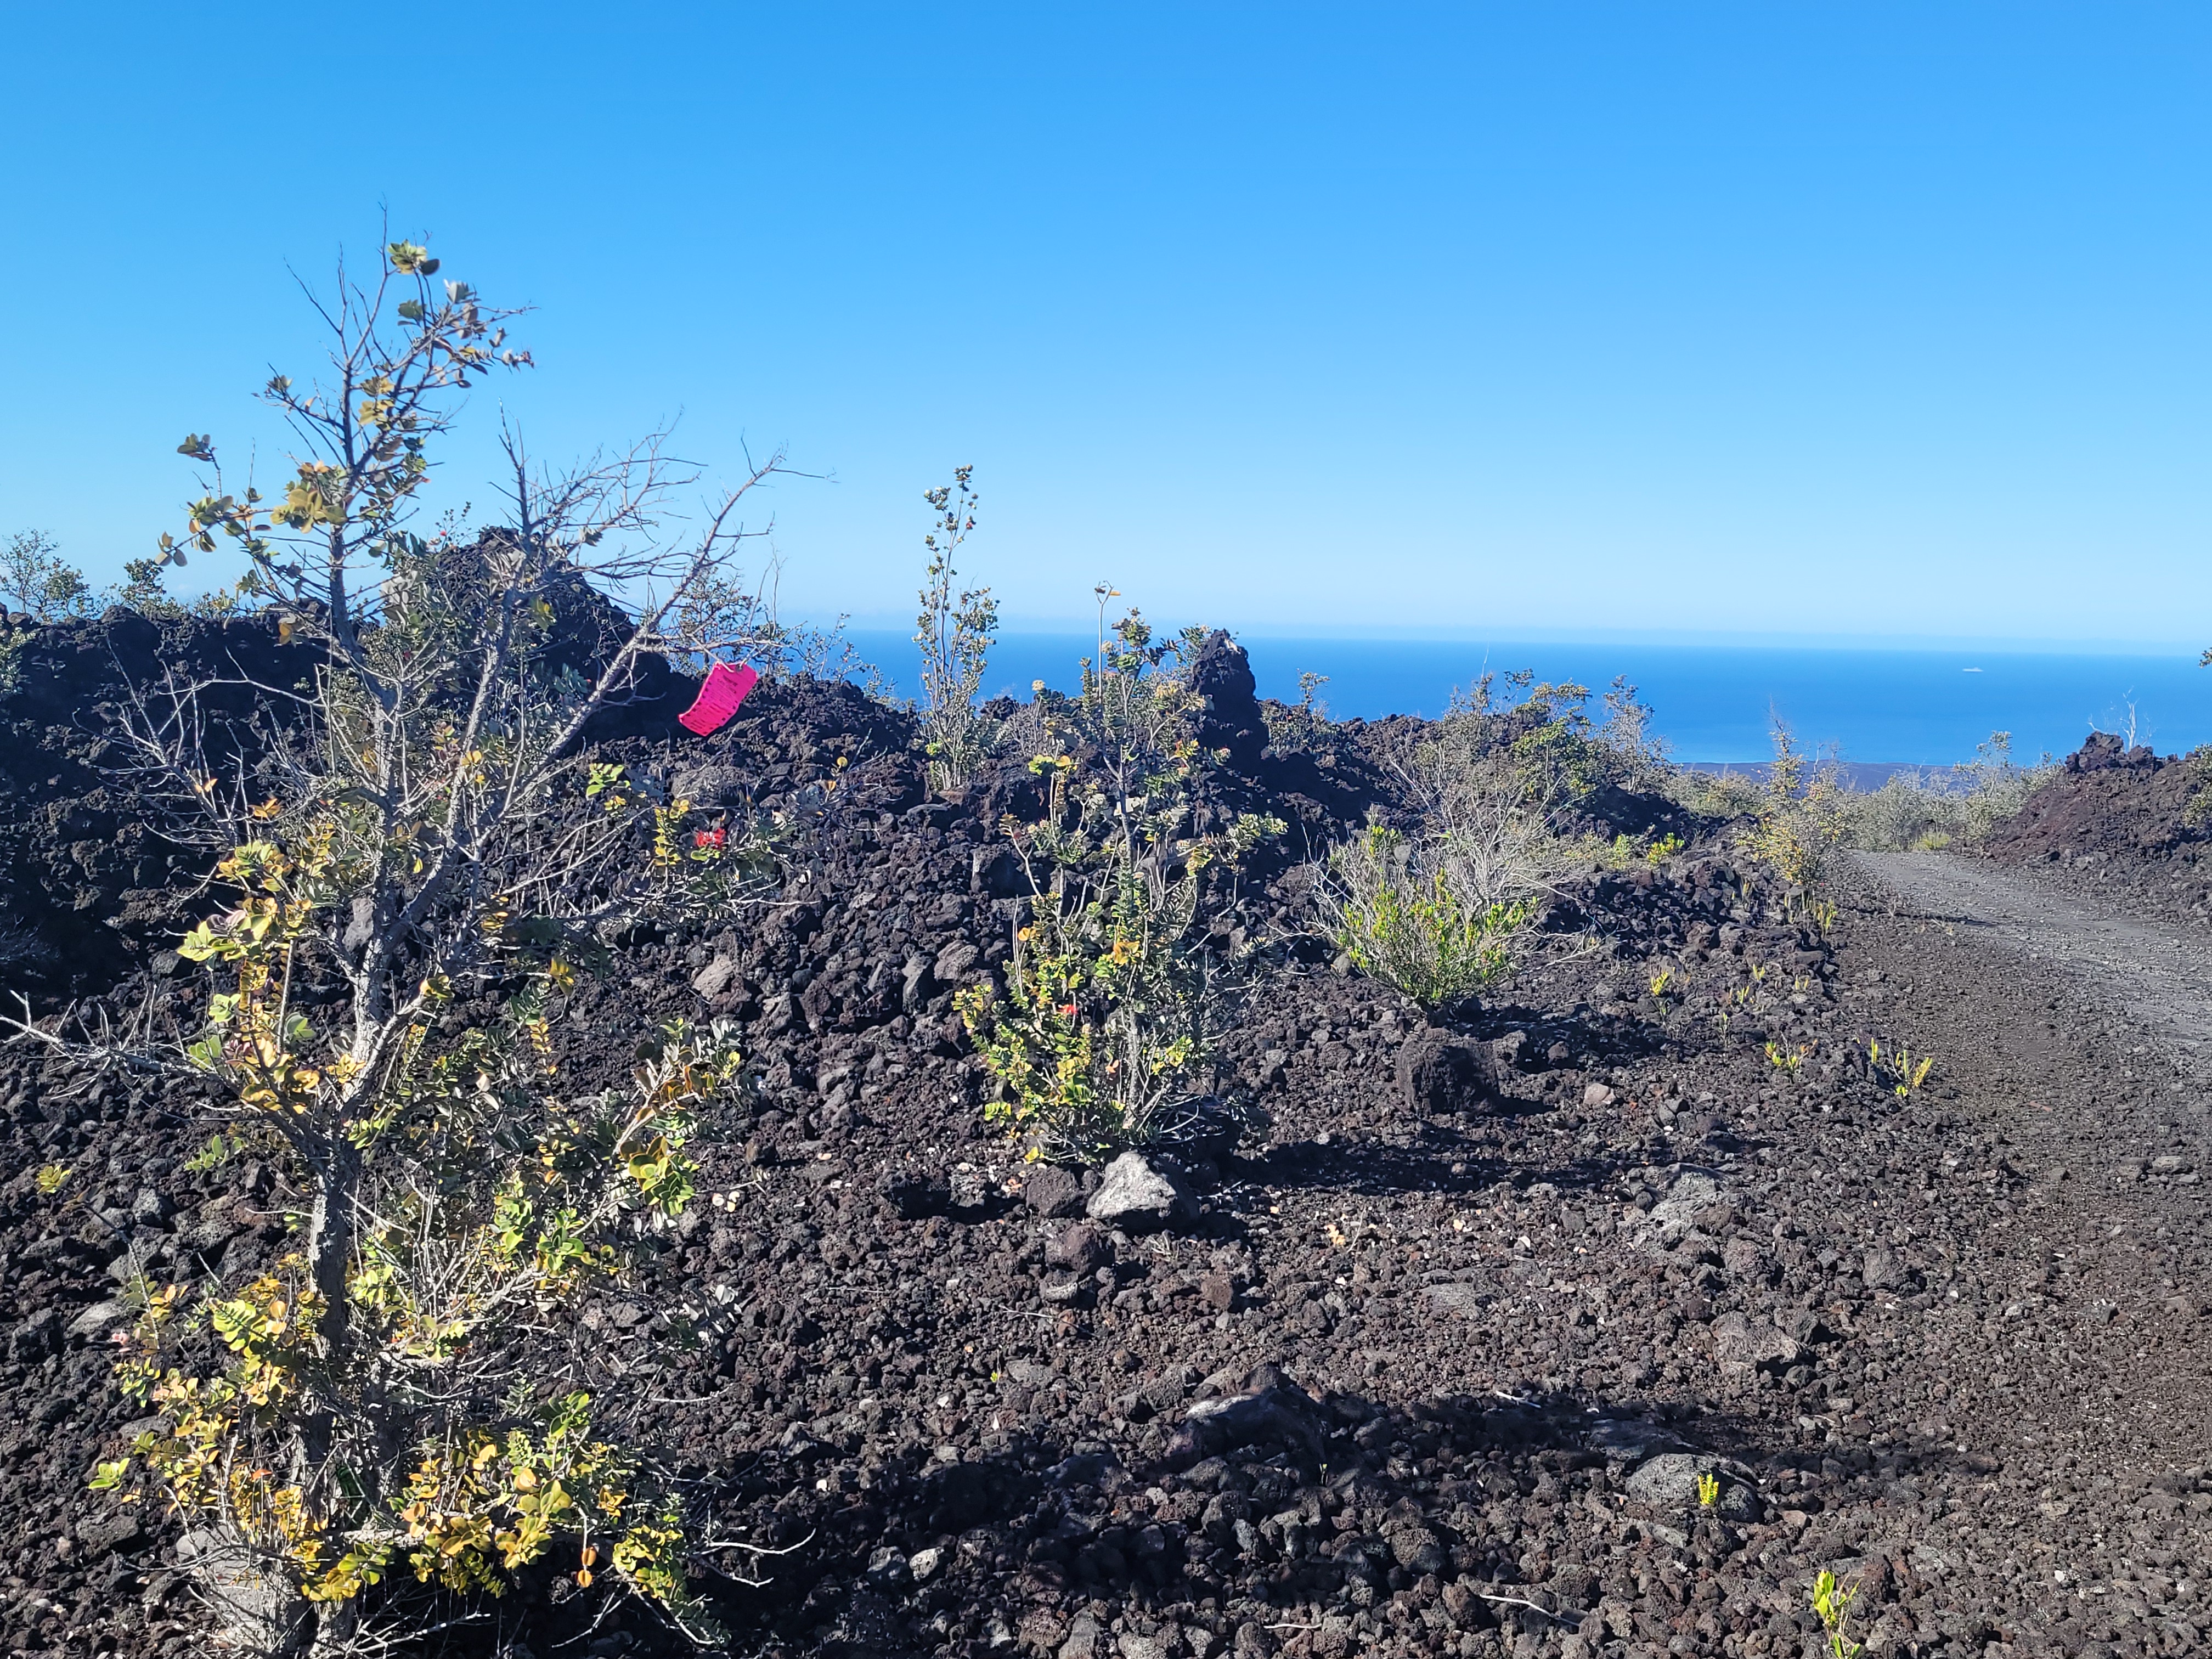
{"points": [[1712, 702]]}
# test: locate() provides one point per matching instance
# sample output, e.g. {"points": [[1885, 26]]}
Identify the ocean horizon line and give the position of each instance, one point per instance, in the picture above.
{"points": [[1875, 706], [1712, 640]]}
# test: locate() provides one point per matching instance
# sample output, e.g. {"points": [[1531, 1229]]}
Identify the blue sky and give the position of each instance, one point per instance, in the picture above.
{"points": [[1867, 320]]}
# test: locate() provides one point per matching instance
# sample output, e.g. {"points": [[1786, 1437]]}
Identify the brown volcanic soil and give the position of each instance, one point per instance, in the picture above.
{"points": [[1953, 1343], [2109, 801]]}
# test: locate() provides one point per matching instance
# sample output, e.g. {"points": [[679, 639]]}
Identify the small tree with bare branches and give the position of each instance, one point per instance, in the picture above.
{"points": [[401, 1399]]}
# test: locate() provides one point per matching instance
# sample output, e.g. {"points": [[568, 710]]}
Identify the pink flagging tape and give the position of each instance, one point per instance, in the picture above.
{"points": [[719, 698]]}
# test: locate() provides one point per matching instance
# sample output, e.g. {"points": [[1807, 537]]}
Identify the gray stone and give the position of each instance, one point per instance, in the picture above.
{"points": [[248, 1603], [1881, 1270], [1692, 1191], [1081, 1249], [923, 1565], [98, 1318], [913, 983], [1667, 1486], [1138, 1194], [117, 1529], [954, 962], [1452, 1297], [1739, 1342], [1743, 1258], [716, 977], [1083, 1638]]}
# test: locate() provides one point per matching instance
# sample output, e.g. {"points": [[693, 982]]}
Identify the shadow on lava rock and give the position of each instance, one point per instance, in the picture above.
{"points": [[1437, 1160], [1272, 1503]]}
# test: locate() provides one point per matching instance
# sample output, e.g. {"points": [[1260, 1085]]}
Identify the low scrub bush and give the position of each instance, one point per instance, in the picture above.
{"points": [[1958, 805], [1799, 822], [1299, 727], [38, 581], [955, 637], [1103, 1036], [1424, 918], [434, 1423], [1441, 910]]}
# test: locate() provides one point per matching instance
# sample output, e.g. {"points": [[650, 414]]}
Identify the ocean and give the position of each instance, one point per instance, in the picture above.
{"points": [[1712, 703]]}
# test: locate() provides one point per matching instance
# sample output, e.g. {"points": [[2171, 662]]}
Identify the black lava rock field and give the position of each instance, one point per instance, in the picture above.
{"points": [[1597, 1322]]}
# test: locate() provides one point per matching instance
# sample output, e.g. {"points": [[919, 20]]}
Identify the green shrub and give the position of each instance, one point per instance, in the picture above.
{"points": [[1958, 805], [1799, 823], [1415, 918], [1104, 1038], [415, 873], [1442, 910], [40, 582], [1298, 727]]}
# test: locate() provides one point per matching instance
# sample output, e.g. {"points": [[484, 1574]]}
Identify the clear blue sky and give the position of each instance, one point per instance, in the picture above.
{"points": [[1880, 320]]}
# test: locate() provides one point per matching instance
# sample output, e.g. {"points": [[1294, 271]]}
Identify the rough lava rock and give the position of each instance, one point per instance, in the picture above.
{"points": [[1273, 1409], [1054, 1193], [1440, 1073], [1221, 674], [1740, 1341], [1667, 1485]]}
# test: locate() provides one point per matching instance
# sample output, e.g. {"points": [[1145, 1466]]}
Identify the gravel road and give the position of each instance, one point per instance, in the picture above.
{"points": [[2156, 976]]}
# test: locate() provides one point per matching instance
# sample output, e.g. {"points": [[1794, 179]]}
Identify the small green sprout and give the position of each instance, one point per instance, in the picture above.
{"points": [[218, 1151], [1904, 1070], [51, 1178], [1708, 1491], [105, 1477], [1831, 1603], [1661, 850]]}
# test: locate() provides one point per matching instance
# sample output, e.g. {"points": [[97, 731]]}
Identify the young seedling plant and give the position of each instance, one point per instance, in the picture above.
{"points": [[1902, 1070], [1831, 1606]]}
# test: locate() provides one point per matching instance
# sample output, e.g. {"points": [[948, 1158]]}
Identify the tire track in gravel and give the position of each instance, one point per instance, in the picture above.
{"points": [[2075, 1034], [2158, 980]]}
